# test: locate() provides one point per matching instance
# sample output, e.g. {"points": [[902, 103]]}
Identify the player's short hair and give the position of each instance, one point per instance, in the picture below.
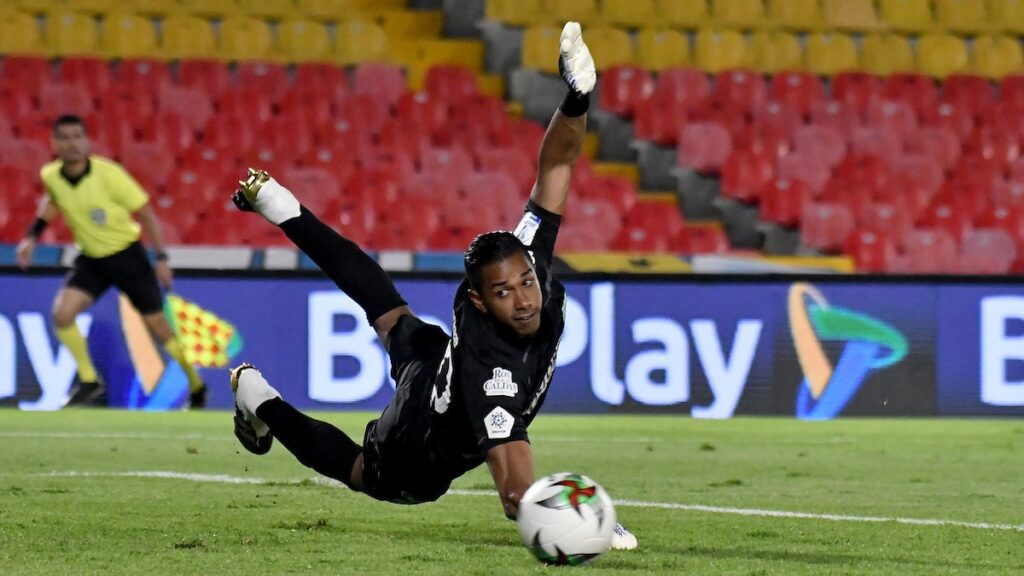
{"points": [[68, 120], [487, 248]]}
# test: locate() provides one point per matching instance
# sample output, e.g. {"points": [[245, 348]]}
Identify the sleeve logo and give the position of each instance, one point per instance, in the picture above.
{"points": [[527, 228], [501, 384], [499, 423]]}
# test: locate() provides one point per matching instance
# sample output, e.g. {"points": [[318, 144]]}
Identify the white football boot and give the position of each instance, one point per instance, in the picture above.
{"points": [[623, 539], [262, 194], [251, 390]]}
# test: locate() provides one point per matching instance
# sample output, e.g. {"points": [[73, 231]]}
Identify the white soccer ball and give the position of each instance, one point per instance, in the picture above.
{"points": [[566, 518]]}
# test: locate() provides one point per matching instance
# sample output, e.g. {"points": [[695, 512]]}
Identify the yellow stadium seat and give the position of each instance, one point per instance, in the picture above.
{"points": [[187, 36], [408, 23], [128, 36], [516, 12], [151, 7], [996, 56], [1007, 15], [324, 10], [93, 7], [630, 13], [961, 15], [829, 54], [718, 50], [359, 40], [745, 14], [939, 55], [20, 33], [38, 6], [795, 14], [585, 12], [906, 15], [772, 52], [609, 46], [540, 48], [303, 41], [269, 9], [71, 33], [212, 8], [419, 54], [885, 54], [244, 38], [850, 15], [688, 14], [660, 49]]}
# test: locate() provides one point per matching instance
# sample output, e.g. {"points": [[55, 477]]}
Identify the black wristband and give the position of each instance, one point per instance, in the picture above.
{"points": [[575, 104], [37, 228], [162, 257]]}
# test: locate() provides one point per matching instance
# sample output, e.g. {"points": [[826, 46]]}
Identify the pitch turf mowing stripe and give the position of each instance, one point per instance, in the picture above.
{"points": [[226, 479]]}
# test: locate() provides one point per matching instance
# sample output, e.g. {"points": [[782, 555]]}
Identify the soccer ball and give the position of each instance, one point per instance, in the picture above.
{"points": [[566, 519]]}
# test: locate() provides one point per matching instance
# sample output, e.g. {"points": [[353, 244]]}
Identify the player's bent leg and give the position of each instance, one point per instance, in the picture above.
{"points": [[251, 390], [87, 389]]}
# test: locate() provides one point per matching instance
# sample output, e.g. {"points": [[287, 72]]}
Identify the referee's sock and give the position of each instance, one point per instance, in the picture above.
{"points": [[71, 337], [316, 444], [174, 348], [351, 269]]}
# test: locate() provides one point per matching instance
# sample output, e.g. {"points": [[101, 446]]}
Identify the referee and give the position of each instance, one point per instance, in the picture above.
{"points": [[106, 210]]}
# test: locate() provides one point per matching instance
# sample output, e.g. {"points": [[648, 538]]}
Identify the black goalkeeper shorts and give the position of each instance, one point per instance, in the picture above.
{"points": [[399, 463], [129, 270]]}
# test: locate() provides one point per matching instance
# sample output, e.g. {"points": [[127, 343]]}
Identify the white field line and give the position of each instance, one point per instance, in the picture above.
{"points": [[198, 436], [757, 512]]}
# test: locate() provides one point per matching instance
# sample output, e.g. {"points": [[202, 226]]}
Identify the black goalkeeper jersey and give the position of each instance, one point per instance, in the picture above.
{"points": [[491, 384]]}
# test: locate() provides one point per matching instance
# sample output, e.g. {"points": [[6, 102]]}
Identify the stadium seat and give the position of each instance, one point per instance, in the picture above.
{"points": [[189, 103], [782, 201], [740, 90], [127, 35], [877, 141], [746, 174], [889, 218], [703, 147], [660, 216], [623, 87], [719, 50], [497, 188], [940, 55], [906, 15], [93, 74], [699, 238], [839, 115], [850, 15], [419, 110], [450, 83], [825, 226], [658, 49], [245, 38], [317, 187], [856, 89], [149, 158], [1007, 15], [940, 143], [246, 103], [962, 16], [21, 153], [20, 34], [921, 169], [210, 76], [450, 164], [327, 79], [511, 161], [872, 252], [270, 78], [896, 116], [957, 118], [683, 88], [303, 41], [610, 47], [973, 93], [800, 15], [26, 74], [930, 251], [583, 11], [213, 9], [358, 40], [996, 56], [310, 106], [885, 54], [812, 169], [987, 252], [686, 14], [799, 90], [277, 10], [915, 90], [944, 214], [828, 143], [773, 52], [830, 54], [630, 13], [175, 133], [515, 12], [323, 10], [58, 99], [1008, 217], [185, 36], [540, 48], [71, 33], [383, 82], [741, 14]]}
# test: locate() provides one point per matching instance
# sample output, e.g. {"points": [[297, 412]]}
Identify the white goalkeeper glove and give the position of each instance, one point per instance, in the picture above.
{"points": [[623, 539], [575, 62]]}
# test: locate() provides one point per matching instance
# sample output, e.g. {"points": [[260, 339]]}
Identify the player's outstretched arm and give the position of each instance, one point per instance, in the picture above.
{"points": [[511, 466], [564, 139]]}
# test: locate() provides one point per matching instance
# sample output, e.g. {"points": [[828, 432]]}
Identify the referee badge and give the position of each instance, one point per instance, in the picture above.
{"points": [[98, 216]]}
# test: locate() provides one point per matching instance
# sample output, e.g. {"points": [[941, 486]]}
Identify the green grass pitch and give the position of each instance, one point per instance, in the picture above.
{"points": [[81, 493]]}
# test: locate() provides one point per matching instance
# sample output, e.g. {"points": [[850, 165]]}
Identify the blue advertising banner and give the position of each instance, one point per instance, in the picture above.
{"points": [[690, 346]]}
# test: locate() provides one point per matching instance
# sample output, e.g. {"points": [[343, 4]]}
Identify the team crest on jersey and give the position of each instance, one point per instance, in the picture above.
{"points": [[501, 384], [499, 423]]}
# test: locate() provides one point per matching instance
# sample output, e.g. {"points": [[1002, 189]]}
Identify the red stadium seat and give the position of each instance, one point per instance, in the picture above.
{"points": [[660, 216], [916, 90], [745, 175], [944, 214], [987, 252], [383, 82], [654, 122], [316, 188], [878, 142], [703, 146], [21, 153], [149, 158], [421, 111], [1011, 89], [291, 134], [312, 106], [229, 133], [451, 164], [701, 239], [776, 118], [783, 200], [623, 87], [995, 144], [511, 161], [640, 239], [496, 188], [921, 169], [971, 92], [872, 251], [581, 238], [825, 226], [763, 139], [17, 104], [393, 161], [594, 213], [136, 110], [951, 116], [92, 73], [171, 131], [29, 73], [327, 79], [211, 76], [615, 189], [141, 76], [212, 163], [820, 140], [450, 83], [857, 90], [110, 130], [838, 115], [191, 104], [1006, 217], [683, 87], [809, 168], [268, 77], [939, 143], [896, 116], [452, 239], [799, 90], [888, 218], [364, 110], [246, 103], [740, 90], [58, 99], [930, 252]]}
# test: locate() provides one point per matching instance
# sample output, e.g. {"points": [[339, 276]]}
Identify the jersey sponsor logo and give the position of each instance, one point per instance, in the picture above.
{"points": [[535, 401], [501, 384], [527, 228], [499, 423]]}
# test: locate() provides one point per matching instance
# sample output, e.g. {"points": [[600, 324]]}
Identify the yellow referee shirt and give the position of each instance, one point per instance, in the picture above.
{"points": [[98, 209]]}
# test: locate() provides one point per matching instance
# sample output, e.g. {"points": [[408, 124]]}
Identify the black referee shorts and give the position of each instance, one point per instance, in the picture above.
{"points": [[129, 270], [399, 463]]}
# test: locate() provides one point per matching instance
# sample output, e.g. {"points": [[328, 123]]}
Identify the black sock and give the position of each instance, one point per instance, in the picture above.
{"points": [[358, 275], [317, 445]]}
